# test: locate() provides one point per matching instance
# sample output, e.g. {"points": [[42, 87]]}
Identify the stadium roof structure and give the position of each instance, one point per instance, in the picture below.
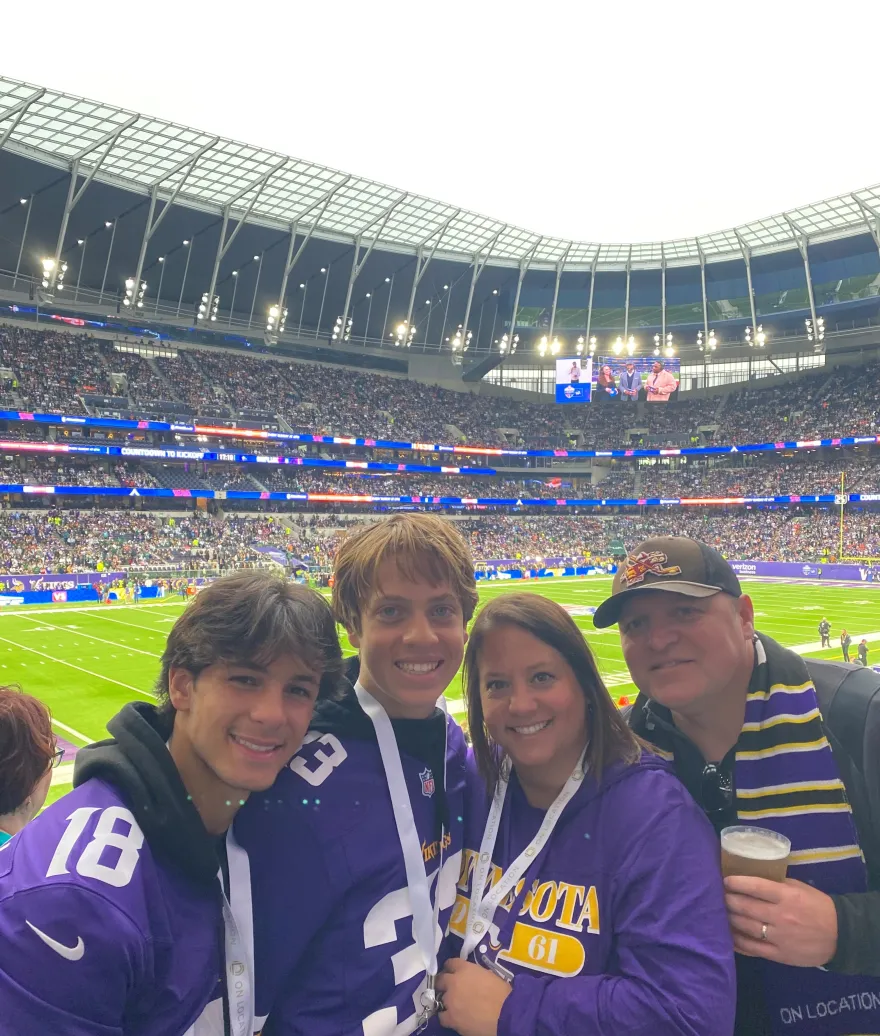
{"points": [[146, 155]]}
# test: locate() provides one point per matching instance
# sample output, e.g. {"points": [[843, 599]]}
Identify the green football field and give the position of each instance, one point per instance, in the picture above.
{"points": [[86, 662]]}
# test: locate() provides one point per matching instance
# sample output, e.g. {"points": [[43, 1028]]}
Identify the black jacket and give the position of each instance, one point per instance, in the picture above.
{"points": [[136, 761]]}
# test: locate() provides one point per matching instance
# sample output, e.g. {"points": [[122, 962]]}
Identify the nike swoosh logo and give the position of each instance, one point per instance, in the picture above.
{"points": [[68, 952]]}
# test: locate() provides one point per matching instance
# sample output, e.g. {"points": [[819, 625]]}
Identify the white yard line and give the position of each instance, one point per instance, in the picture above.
{"points": [[73, 609], [100, 640], [88, 672], [62, 774], [71, 730], [133, 625]]}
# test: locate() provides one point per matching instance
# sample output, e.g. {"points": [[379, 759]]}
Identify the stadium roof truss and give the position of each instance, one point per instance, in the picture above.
{"points": [[171, 162]]}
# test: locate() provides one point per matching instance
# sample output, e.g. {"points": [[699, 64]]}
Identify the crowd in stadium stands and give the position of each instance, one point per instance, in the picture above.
{"points": [[62, 541], [65, 471], [144, 384], [802, 473], [781, 535], [52, 370], [87, 541]]}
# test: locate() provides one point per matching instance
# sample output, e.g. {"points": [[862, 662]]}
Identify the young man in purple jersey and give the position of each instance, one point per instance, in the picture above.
{"points": [[355, 851], [115, 912]]}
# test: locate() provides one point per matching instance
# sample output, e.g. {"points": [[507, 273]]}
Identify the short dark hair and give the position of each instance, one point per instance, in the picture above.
{"points": [[27, 745], [253, 617], [610, 739]]}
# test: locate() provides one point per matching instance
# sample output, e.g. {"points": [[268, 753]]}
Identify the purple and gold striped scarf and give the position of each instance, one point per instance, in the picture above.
{"points": [[786, 777]]}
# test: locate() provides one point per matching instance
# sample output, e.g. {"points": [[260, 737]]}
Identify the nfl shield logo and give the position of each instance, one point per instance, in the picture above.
{"points": [[427, 779]]}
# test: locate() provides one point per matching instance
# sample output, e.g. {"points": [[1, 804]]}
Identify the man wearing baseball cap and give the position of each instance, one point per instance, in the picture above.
{"points": [[764, 738]]}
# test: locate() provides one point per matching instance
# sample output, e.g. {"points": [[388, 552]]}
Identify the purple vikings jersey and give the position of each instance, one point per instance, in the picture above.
{"points": [[97, 939], [333, 930]]}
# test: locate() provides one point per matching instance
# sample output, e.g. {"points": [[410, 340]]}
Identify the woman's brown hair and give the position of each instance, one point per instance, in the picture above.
{"points": [[610, 739], [27, 746]]}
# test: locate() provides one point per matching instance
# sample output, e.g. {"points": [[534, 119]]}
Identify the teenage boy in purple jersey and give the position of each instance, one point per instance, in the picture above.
{"points": [[355, 851], [114, 920]]}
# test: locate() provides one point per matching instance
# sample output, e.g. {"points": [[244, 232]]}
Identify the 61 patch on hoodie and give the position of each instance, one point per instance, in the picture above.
{"points": [[548, 911]]}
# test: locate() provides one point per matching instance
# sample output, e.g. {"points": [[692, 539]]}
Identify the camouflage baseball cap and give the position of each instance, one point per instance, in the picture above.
{"points": [[674, 563]]}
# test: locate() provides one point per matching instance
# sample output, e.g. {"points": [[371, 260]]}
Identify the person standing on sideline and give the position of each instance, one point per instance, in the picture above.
{"points": [[630, 383], [590, 898], [356, 850], [863, 653], [113, 920], [825, 633], [845, 641], [765, 738], [28, 753]]}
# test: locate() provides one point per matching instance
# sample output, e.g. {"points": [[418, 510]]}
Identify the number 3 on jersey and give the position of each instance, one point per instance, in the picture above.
{"points": [[315, 764], [120, 865]]}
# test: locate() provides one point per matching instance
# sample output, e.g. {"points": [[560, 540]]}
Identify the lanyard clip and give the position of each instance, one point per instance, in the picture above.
{"points": [[496, 968], [430, 1001]]}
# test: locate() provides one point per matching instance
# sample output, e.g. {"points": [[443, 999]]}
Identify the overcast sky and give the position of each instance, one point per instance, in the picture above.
{"points": [[602, 122]]}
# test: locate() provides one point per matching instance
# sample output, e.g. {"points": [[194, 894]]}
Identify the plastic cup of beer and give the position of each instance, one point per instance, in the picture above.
{"points": [[756, 852]]}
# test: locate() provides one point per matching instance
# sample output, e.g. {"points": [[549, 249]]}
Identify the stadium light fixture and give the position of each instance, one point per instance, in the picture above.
{"points": [[756, 336], [48, 269], [53, 274], [593, 344], [134, 293], [22, 201], [340, 333], [617, 348], [816, 335], [108, 224], [275, 320], [579, 345], [461, 340], [631, 345], [404, 334], [208, 309], [555, 346], [185, 243], [542, 345], [508, 345]]}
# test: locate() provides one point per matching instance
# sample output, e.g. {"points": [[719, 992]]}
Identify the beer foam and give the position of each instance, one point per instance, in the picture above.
{"points": [[753, 845]]}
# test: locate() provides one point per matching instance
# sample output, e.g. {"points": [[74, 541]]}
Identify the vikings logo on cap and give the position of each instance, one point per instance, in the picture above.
{"points": [[637, 566], [427, 779]]}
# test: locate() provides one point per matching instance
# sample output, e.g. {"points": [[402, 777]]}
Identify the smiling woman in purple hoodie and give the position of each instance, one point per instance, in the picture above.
{"points": [[590, 898]]}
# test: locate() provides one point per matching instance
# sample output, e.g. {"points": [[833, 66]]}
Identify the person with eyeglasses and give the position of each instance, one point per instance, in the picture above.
{"points": [[763, 738], [28, 752]]}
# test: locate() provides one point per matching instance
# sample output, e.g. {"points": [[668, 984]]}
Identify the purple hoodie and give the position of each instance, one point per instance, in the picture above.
{"points": [[619, 925]]}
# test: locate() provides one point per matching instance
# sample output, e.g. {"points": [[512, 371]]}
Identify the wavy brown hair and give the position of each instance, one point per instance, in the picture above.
{"points": [[27, 746], [423, 546], [253, 617], [610, 739]]}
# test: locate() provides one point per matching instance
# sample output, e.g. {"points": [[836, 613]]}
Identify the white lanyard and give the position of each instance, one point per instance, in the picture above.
{"points": [[481, 908], [238, 952], [424, 912]]}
